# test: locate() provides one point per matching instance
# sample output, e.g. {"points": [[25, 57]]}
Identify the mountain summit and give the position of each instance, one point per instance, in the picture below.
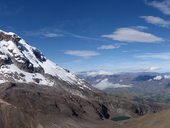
{"points": [[20, 62]]}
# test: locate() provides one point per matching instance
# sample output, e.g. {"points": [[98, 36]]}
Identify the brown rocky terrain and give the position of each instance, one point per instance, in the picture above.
{"points": [[157, 120], [32, 106]]}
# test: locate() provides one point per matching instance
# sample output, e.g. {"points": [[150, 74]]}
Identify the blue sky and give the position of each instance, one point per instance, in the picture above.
{"points": [[116, 35]]}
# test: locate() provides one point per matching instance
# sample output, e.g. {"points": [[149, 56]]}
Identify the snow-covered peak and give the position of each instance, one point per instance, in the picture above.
{"points": [[7, 33], [21, 62]]}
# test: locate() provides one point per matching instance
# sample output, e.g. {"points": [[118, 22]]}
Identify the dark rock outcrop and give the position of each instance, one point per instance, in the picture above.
{"points": [[7, 37]]}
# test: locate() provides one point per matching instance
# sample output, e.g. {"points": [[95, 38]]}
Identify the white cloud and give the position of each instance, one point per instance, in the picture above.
{"points": [[163, 6], [150, 69], [133, 35], [51, 35], [82, 53], [106, 47], [158, 78], [94, 73], [104, 84], [156, 21], [161, 56]]}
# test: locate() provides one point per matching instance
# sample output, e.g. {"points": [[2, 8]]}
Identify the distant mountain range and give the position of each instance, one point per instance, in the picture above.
{"points": [[150, 85]]}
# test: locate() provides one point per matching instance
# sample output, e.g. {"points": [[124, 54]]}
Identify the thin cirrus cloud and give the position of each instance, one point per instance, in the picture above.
{"points": [[133, 35], [149, 69], [163, 6], [42, 33], [160, 56], [53, 32], [156, 21], [107, 47], [52, 35], [82, 53]]}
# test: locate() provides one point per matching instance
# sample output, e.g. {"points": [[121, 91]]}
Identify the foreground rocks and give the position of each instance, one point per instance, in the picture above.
{"points": [[31, 106]]}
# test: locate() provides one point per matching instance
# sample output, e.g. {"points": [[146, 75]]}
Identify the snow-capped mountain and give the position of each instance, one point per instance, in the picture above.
{"points": [[70, 102], [20, 62]]}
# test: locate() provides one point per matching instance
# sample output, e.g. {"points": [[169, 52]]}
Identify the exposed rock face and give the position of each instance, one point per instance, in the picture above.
{"points": [[104, 111], [4, 60], [7, 37], [143, 109], [39, 55]]}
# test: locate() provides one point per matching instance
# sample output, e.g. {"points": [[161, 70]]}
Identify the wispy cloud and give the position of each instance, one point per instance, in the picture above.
{"points": [[53, 32], [135, 50], [150, 69], [52, 35], [82, 37], [82, 53], [161, 56], [156, 21], [43, 33], [107, 47], [163, 6], [133, 35]]}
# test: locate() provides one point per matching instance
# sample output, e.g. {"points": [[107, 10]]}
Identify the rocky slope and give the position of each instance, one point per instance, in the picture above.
{"points": [[32, 106], [158, 120]]}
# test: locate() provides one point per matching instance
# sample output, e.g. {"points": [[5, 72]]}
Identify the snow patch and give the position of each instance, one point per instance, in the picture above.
{"points": [[13, 73]]}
